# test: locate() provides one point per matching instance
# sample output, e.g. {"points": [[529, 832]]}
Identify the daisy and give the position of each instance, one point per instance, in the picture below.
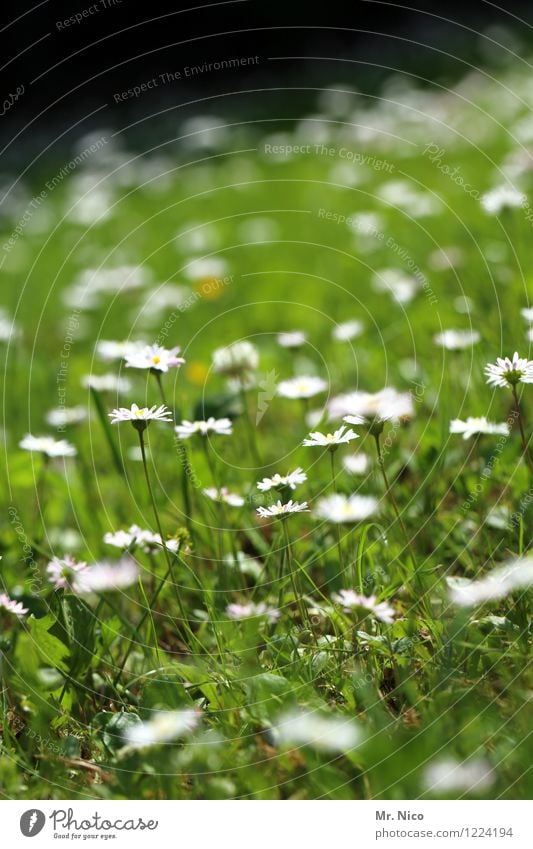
{"points": [[140, 417], [109, 350], [149, 542], [224, 495], [302, 387], [342, 436], [386, 405], [63, 416], [502, 197], [324, 733], [527, 313], [281, 511], [251, 610], [292, 480], [473, 426], [448, 775], [357, 464], [366, 605], [48, 446], [155, 358], [340, 509], [8, 330], [236, 360], [107, 576], [222, 427], [498, 584], [506, 372], [347, 331], [164, 727], [9, 606], [399, 285], [292, 339], [456, 340], [62, 572], [106, 383]]}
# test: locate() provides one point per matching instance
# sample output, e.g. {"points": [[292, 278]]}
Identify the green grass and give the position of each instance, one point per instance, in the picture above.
{"points": [[439, 683]]}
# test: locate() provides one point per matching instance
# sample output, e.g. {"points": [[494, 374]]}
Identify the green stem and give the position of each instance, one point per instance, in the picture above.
{"points": [[298, 598], [117, 460], [337, 524], [525, 442]]}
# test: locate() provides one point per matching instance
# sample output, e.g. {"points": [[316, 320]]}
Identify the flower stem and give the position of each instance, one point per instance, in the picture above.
{"points": [[117, 459], [525, 441], [297, 596], [337, 524], [186, 473], [392, 499]]}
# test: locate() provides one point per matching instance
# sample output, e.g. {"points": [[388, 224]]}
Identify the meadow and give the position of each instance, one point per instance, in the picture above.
{"points": [[265, 513]]}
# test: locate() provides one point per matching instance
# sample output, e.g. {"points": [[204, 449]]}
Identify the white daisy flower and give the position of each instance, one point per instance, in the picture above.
{"points": [[456, 340], [502, 197], [527, 313], [396, 283], [473, 426], [386, 405], [292, 480], [324, 733], [224, 495], [365, 605], [342, 436], [281, 511], [206, 268], [500, 583], [236, 359], [448, 775], [110, 350], [106, 383], [148, 541], [251, 610], [357, 464], [10, 606], [339, 509], [155, 358], [8, 329], [48, 445], [292, 339], [63, 416], [302, 387], [164, 727], [140, 417], [107, 576], [506, 372], [62, 572], [348, 330], [221, 427]]}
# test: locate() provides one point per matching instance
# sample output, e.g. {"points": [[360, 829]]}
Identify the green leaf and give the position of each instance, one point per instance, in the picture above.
{"points": [[50, 648]]}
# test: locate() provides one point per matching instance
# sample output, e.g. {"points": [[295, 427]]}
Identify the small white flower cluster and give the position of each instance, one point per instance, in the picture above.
{"points": [[148, 541]]}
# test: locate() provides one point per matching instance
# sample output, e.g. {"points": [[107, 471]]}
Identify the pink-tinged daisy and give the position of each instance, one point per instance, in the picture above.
{"points": [[281, 511], [107, 576], [62, 572], [155, 358], [508, 373], [251, 610], [140, 417], [220, 427], [365, 606], [8, 605], [342, 436]]}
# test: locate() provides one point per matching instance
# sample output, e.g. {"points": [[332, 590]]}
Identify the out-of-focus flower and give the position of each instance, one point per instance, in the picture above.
{"points": [[63, 416], [301, 387], [325, 733], [221, 427], [106, 383], [251, 610], [236, 360], [474, 426], [47, 445], [63, 572], [292, 339], [225, 496], [357, 464], [8, 605], [498, 584], [107, 576], [164, 727], [456, 340], [448, 775], [110, 351], [348, 330], [363, 605], [340, 509], [370, 407], [502, 197]]}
